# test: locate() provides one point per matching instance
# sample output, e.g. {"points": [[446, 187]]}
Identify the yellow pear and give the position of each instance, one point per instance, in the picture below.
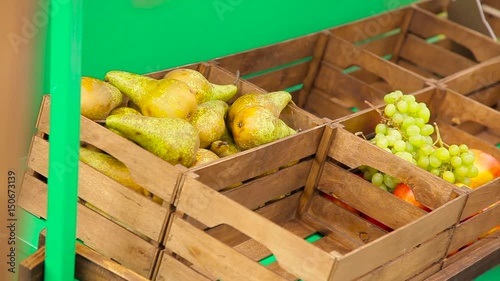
{"points": [[203, 89], [98, 98], [257, 125], [155, 98], [174, 140], [224, 148], [273, 101], [209, 121], [204, 156]]}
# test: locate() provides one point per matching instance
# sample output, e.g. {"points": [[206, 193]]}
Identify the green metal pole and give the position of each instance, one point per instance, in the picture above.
{"points": [[65, 76]]}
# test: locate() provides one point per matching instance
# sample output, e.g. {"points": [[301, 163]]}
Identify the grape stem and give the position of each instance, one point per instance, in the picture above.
{"points": [[380, 112], [438, 137]]}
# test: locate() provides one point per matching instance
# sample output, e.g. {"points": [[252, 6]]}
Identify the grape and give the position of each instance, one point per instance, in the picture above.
{"points": [[382, 142], [467, 158], [423, 162], [408, 122], [409, 99], [390, 98], [427, 130], [435, 171], [417, 141], [398, 94], [454, 150], [443, 154], [402, 106], [434, 161], [461, 171], [377, 179], [390, 110], [412, 107], [463, 148], [381, 128], [456, 161], [448, 176], [473, 172], [395, 133], [426, 149], [399, 145], [405, 155], [397, 118], [413, 130], [409, 147], [390, 140], [390, 182], [428, 140], [419, 122], [425, 114]]}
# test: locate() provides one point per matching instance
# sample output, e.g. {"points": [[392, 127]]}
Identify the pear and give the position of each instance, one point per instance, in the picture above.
{"points": [[155, 98], [257, 125], [224, 148], [124, 110], [172, 139], [209, 121], [202, 88], [204, 156], [274, 101], [98, 98], [110, 166]]}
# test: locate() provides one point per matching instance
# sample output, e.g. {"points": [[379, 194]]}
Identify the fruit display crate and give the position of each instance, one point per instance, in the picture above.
{"points": [[480, 83], [105, 206], [420, 41], [491, 11], [283, 220], [89, 265], [326, 75], [481, 210]]}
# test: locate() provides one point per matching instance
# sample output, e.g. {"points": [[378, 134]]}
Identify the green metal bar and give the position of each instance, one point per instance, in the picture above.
{"points": [[65, 71]]}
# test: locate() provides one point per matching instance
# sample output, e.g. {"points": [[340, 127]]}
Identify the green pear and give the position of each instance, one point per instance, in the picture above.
{"points": [[124, 110], [202, 88], [274, 101], [257, 125], [204, 156], [98, 98], [155, 98], [224, 148], [111, 167], [209, 121], [174, 140]]}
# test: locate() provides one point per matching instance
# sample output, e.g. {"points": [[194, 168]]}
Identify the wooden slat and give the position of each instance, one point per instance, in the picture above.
{"points": [[344, 54], [172, 269], [94, 230], [323, 105], [212, 255], [476, 78], [254, 162], [32, 268], [473, 262], [425, 25], [367, 28], [283, 78], [336, 220], [123, 204], [347, 187], [270, 56], [433, 58], [417, 69], [470, 230], [396, 243], [413, 262], [482, 197]]}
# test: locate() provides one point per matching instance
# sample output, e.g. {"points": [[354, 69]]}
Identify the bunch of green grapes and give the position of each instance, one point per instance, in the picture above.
{"points": [[405, 131]]}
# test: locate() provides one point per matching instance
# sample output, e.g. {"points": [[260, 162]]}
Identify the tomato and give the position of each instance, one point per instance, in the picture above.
{"points": [[404, 192]]}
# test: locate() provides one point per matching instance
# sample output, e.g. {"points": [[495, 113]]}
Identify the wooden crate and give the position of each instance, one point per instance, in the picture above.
{"points": [[448, 108], [420, 41], [491, 11], [89, 266], [224, 234], [105, 206], [327, 76], [480, 83]]}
